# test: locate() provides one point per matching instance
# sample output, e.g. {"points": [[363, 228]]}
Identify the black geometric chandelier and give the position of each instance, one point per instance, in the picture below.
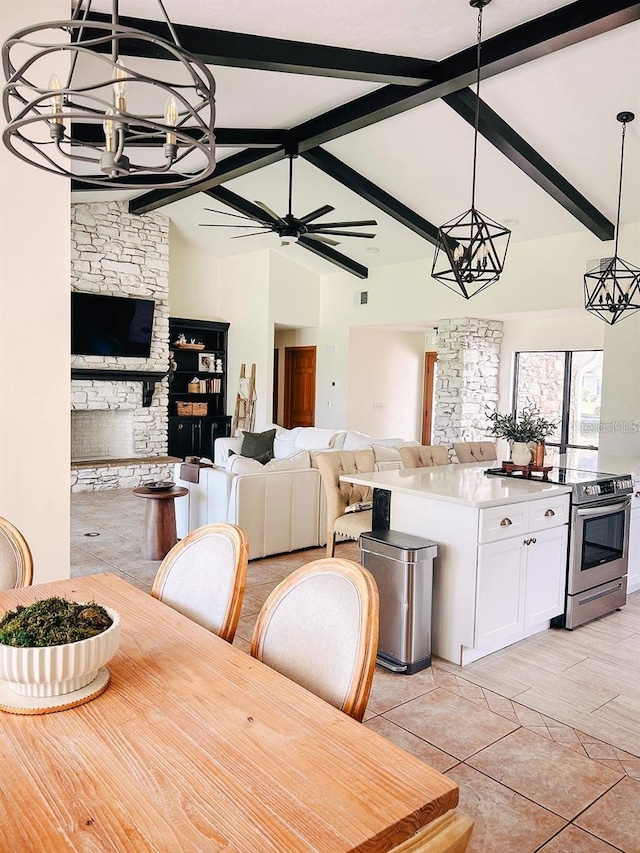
{"points": [[612, 291], [471, 248], [109, 122]]}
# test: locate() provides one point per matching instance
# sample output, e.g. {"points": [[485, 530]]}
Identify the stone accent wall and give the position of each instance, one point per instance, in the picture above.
{"points": [[115, 253], [466, 378], [124, 476]]}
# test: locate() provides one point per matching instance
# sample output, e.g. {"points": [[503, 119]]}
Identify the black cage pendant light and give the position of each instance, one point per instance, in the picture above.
{"points": [[471, 248], [105, 118], [612, 290]]}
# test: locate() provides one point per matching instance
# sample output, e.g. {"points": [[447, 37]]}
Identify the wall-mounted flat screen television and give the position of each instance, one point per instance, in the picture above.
{"points": [[110, 325]]}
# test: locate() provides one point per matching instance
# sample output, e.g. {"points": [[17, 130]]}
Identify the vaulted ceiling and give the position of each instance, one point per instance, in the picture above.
{"points": [[375, 95]]}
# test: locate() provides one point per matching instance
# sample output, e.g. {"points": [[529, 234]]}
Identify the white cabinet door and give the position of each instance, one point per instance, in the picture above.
{"points": [[500, 591], [546, 574], [633, 573]]}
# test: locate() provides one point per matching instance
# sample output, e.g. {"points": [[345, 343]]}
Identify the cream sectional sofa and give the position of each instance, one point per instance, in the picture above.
{"points": [[281, 505]]}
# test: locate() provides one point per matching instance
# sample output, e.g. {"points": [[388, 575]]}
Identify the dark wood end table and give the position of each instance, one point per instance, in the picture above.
{"points": [[159, 535]]}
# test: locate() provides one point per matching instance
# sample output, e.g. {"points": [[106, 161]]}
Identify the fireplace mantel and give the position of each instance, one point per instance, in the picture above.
{"points": [[148, 378]]}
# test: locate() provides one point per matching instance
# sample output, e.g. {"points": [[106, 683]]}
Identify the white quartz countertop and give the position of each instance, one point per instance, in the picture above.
{"points": [[461, 484]]}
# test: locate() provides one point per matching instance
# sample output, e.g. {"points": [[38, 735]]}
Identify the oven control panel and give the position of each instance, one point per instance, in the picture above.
{"points": [[615, 486]]}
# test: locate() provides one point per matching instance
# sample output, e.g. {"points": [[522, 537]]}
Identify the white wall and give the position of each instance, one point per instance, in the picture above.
{"points": [[243, 292], [620, 412], [193, 280], [386, 382], [34, 340]]}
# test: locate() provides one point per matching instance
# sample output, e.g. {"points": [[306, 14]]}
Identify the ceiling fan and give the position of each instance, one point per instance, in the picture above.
{"points": [[290, 227]]}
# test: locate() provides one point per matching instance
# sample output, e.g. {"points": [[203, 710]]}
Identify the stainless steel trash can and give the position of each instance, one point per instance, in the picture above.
{"points": [[402, 566]]}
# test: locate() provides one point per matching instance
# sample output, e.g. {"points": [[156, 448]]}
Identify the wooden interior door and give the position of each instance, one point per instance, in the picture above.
{"points": [[299, 386], [276, 384], [430, 359]]}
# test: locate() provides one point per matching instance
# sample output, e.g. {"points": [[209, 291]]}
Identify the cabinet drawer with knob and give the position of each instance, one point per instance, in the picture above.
{"points": [[549, 512], [503, 522]]}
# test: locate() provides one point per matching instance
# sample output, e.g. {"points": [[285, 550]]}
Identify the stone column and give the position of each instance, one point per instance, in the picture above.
{"points": [[466, 378]]}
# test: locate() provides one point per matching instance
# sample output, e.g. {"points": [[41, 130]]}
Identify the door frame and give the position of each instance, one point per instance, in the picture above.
{"points": [[430, 359]]}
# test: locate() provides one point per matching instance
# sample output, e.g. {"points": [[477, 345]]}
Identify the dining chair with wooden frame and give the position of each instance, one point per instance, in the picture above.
{"points": [[319, 627], [449, 833], [204, 576], [16, 562]]}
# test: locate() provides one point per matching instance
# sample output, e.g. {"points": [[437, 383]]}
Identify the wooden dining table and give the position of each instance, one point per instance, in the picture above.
{"points": [[195, 746]]}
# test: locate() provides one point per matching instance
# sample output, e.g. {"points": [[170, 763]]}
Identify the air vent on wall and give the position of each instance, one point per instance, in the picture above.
{"points": [[361, 297], [598, 264]]}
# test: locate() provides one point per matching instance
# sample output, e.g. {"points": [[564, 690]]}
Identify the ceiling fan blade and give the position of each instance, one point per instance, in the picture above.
{"points": [[220, 225], [255, 234], [268, 210], [341, 234], [235, 215], [323, 239], [353, 224], [316, 213]]}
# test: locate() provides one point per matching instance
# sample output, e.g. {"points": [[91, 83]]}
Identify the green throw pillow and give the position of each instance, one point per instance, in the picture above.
{"points": [[256, 444]]}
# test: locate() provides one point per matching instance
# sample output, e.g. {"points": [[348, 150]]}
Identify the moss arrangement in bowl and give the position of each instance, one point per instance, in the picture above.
{"points": [[55, 646]]}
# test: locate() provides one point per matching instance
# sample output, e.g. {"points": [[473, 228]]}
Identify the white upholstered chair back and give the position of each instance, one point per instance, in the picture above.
{"points": [[424, 455], [449, 833], [204, 577], [319, 627], [16, 563], [475, 451]]}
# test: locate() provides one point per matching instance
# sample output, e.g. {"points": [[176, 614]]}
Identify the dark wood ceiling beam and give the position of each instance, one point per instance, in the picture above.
{"points": [[336, 258], [369, 191], [220, 47], [534, 39], [231, 167], [226, 137], [516, 149]]}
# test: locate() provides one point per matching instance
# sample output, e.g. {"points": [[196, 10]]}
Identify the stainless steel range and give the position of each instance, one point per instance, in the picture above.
{"points": [[598, 541]]}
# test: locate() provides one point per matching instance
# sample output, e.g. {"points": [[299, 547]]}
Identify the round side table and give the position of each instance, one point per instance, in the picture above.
{"points": [[159, 521]]}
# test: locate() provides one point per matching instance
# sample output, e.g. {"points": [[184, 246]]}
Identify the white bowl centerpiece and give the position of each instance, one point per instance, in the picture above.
{"points": [[55, 646]]}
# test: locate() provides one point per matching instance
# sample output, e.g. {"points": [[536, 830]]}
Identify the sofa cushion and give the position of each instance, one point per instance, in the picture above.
{"points": [[284, 444], [389, 442], [247, 465], [256, 444], [355, 440], [312, 438]]}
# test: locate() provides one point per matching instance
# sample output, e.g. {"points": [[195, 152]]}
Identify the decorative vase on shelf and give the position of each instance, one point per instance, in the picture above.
{"points": [[538, 453], [520, 453]]}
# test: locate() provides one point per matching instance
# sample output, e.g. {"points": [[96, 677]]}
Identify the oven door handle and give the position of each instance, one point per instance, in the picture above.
{"points": [[603, 509]]}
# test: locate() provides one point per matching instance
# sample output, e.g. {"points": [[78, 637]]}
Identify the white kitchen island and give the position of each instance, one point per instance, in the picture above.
{"points": [[500, 573]]}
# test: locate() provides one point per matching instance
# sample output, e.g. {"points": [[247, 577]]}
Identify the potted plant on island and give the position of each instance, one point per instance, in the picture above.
{"points": [[529, 426], [55, 647]]}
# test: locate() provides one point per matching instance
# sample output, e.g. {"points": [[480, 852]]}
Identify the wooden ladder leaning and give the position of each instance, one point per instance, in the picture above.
{"points": [[244, 412]]}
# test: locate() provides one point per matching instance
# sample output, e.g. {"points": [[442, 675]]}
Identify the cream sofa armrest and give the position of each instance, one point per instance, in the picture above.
{"points": [[207, 501], [221, 448]]}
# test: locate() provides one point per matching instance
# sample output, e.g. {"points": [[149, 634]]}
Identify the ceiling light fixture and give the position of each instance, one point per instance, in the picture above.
{"points": [[612, 289], [132, 129], [471, 248]]}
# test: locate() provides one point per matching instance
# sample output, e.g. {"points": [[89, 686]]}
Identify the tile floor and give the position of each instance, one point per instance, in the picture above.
{"points": [[543, 738]]}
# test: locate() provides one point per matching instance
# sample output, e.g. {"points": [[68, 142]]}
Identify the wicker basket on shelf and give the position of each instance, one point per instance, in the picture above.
{"points": [[193, 388], [184, 409], [200, 408]]}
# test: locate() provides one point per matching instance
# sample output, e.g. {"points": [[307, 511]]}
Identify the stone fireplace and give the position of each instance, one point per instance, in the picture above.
{"points": [[119, 405]]}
